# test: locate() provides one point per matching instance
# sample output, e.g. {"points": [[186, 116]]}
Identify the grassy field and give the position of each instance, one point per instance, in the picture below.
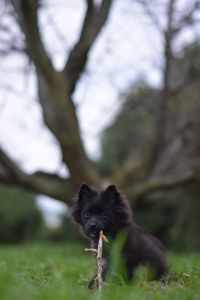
{"points": [[54, 272]]}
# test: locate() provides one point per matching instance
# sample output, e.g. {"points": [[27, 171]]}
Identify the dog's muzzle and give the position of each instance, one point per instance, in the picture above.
{"points": [[93, 228]]}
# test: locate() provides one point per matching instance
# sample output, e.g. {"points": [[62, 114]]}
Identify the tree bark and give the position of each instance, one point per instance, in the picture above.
{"points": [[163, 113]]}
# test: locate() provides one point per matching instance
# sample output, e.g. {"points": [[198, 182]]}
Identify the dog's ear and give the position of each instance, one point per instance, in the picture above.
{"points": [[111, 194], [85, 193]]}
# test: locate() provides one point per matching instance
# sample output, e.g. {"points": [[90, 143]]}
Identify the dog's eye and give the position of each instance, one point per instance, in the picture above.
{"points": [[104, 216], [86, 215]]}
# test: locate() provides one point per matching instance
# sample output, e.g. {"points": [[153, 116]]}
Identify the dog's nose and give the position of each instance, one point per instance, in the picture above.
{"points": [[93, 227]]}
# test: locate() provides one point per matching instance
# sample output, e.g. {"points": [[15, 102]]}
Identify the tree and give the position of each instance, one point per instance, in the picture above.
{"points": [[55, 93], [177, 222]]}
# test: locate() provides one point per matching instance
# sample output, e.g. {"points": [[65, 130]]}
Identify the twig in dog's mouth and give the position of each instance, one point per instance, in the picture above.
{"points": [[99, 261]]}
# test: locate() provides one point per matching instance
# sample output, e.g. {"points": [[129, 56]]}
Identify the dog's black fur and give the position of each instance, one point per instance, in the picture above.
{"points": [[109, 211]]}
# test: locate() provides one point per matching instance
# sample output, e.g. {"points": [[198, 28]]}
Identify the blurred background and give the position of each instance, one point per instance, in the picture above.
{"points": [[99, 91]]}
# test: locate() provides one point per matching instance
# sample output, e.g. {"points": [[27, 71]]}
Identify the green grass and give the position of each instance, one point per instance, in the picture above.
{"points": [[49, 272]]}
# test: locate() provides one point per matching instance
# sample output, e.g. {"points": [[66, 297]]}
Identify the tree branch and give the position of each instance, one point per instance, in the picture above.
{"points": [[151, 14], [54, 95], [94, 20], [164, 183], [12, 168], [40, 182], [188, 19], [26, 12], [163, 112]]}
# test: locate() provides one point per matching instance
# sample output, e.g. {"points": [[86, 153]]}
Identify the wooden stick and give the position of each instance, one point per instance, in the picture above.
{"points": [[91, 250], [99, 261]]}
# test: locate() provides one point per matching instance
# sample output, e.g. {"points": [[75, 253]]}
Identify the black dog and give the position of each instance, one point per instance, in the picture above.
{"points": [[109, 211]]}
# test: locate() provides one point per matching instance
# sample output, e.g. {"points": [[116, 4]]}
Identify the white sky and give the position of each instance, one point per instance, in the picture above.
{"points": [[128, 48]]}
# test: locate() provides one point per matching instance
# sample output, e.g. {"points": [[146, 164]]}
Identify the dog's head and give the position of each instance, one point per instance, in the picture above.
{"points": [[96, 211]]}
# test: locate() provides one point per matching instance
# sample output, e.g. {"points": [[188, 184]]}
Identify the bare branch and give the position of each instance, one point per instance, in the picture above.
{"points": [[10, 49], [11, 167], [164, 183], [94, 20], [97, 279], [188, 18], [152, 16], [26, 12], [40, 182], [163, 112]]}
